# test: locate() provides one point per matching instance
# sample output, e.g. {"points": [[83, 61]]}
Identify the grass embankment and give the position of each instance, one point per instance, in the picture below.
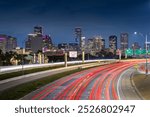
{"points": [[34, 70], [24, 72], [142, 83], [21, 90]]}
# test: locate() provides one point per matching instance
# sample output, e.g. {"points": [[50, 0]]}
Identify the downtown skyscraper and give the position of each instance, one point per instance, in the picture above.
{"points": [[37, 41], [124, 41], [113, 42], [7, 43]]}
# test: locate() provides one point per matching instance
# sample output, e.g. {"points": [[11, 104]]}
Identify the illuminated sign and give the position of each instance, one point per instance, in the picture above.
{"points": [[73, 54]]}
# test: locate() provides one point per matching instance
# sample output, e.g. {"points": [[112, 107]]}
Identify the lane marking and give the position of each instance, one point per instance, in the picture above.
{"points": [[119, 80]]}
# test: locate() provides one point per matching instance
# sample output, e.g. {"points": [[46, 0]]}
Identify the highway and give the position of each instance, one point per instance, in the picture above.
{"points": [[8, 69], [11, 82], [126, 88], [109, 82]]}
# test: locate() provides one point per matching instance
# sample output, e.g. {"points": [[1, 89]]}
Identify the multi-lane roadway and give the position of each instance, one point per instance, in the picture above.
{"points": [[108, 82]]}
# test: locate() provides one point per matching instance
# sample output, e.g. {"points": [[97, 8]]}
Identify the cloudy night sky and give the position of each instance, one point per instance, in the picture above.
{"points": [[60, 17]]}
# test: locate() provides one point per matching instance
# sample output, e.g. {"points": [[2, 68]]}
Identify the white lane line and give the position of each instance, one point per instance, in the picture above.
{"points": [[118, 83]]}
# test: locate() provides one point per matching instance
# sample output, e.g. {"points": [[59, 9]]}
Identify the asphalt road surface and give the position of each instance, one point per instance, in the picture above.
{"points": [[8, 83], [109, 82]]}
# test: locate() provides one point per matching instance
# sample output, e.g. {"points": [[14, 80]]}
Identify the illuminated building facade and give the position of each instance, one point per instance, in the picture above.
{"points": [[37, 41], [96, 43], [7, 43], [113, 42], [124, 41]]}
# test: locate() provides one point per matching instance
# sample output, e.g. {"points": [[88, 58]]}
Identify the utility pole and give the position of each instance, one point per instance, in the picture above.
{"points": [[65, 59], [146, 72], [83, 56], [146, 64]]}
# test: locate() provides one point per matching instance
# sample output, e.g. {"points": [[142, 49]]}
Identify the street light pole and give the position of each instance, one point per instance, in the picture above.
{"points": [[66, 59], [146, 64], [22, 61], [23, 52], [146, 72]]}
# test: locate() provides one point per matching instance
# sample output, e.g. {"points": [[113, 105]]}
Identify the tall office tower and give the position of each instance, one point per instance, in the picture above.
{"points": [[124, 41], [96, 43], [11, 43], [47, 43], [38, 41], [103, 43], [28, 44], [38, 30], [3, 42], [113, 42], [78, 33], [34, 43], [7, 43]]}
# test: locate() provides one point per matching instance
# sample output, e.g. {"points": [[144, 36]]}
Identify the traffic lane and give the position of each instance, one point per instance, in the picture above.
{"points": [[8, 83], [104, 88], [101, 89], [45, 90], [75, 89], [69, 86], [125, 88], [83, 87], [48, 94]]}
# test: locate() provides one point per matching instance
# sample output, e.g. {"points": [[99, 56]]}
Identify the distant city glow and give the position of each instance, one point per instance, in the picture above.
{"points": [[2, 38]]}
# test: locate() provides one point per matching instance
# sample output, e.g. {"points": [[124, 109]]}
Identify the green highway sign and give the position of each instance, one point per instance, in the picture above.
{"points": [[138, 52], [131, 52], [148, 51], [143, 51]]}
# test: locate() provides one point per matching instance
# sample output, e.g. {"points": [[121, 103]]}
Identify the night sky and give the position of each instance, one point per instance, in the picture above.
{"points": [[60, 17]]}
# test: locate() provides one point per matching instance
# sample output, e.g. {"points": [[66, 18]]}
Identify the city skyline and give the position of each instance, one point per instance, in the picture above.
{"points": [[59, 18], [42, 36]]}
